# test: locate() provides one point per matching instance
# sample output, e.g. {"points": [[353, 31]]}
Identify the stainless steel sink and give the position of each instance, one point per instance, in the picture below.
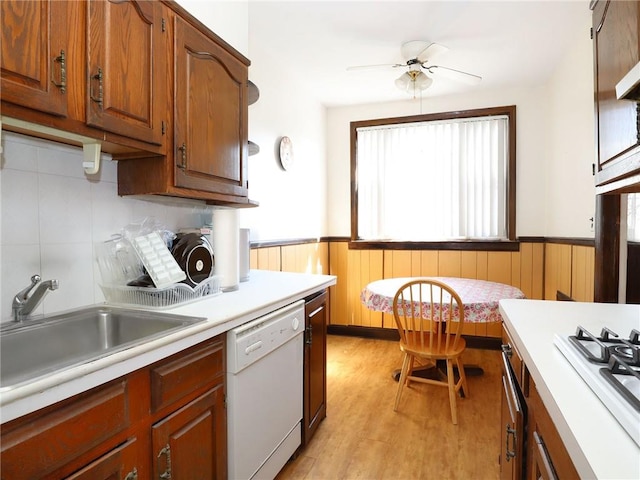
{"points": [[38, 347]]}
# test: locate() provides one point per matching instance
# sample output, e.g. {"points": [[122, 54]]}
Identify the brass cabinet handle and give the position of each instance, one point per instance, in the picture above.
{"points": [[132, 475], [98, 76], [510, 453], [309, 340], [61, 59], [183, 156], [166, 451]]}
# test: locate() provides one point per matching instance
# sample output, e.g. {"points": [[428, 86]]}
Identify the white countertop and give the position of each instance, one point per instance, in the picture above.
{"points": [[264, 292], [598, 445]]}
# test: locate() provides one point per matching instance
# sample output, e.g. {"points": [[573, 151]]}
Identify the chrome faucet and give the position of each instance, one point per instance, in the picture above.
{"points": [[23, 304]]}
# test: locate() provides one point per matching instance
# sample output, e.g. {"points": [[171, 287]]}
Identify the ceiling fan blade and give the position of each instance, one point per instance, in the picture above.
{"points": [[431, 51], [453, 74], [383, 65]]}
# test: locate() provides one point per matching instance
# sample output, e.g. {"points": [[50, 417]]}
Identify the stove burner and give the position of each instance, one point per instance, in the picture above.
{"points": [[625, 379], [600, 349]]}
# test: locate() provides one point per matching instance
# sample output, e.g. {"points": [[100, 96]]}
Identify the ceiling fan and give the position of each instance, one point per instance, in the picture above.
{"points": [[420, 70]]}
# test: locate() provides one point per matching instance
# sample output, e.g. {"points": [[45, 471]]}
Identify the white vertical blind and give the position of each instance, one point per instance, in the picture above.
{"points": [[441, 180]]}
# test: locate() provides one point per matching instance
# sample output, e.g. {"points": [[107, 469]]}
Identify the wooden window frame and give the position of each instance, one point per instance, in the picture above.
{"points": [[510, 112]]}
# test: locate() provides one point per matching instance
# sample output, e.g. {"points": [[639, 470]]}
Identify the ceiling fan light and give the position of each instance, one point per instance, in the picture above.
{"points": [[422, 82], [403, 81]]}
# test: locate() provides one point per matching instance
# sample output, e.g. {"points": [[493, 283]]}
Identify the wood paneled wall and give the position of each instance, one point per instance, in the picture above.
{"points": [[538, 269], [356, 268], [570, 270]]}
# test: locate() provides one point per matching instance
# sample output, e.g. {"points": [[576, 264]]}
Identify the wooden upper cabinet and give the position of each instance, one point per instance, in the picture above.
{"points": [[210, 111], [37, 53], [127, 54], [616, 37]]}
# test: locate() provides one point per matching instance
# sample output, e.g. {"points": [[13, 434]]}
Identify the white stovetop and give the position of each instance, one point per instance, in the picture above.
{"points": [[598, 445], [263, 293]]}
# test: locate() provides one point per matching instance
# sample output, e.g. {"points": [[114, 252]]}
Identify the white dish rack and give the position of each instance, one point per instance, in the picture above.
{"points": [[119, 264], [158, 298]]}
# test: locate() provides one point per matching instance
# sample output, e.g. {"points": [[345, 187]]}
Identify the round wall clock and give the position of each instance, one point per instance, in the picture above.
{"points": [[285, 154]]}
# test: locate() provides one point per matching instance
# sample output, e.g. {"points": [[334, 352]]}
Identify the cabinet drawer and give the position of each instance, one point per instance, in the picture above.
{"points": [[120, 463], [38, 444], [186, 373]]}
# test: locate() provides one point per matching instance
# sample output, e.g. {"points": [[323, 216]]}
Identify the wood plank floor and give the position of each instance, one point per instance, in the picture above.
{"points": [[363, 438]]}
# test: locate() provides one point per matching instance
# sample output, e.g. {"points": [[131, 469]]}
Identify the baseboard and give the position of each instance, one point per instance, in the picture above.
{"points": [[473, 341]]}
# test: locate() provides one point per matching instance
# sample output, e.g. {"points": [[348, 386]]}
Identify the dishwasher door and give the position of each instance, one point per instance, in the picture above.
{"points": [[265, 393]]}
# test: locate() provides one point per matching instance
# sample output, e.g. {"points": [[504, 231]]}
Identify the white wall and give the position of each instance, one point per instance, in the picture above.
{"points": [[228, 19], [292, 202], [570, 187], [554, 146]]}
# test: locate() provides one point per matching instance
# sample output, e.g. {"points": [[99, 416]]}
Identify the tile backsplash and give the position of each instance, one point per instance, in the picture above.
{"points": [[52, 215]]}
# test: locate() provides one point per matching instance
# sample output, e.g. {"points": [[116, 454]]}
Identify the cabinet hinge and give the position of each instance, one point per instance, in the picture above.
{"points": [[593, 169], [591, 33], [164, 25], [164, 127]]}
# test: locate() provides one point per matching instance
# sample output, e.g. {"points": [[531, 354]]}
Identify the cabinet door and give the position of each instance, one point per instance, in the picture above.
{"points": [[35, 53], [120, 463], [191, 443], [511, 426], [210, 115], [127, 68], [315, 361], [616, 51]]}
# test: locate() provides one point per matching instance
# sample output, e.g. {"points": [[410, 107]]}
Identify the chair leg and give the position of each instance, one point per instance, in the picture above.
{"points": [[463, 377], [452, 392], [402, 380]]}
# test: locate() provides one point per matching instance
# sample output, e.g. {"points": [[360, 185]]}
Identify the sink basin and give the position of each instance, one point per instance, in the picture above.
{"points": [[49, 344]]}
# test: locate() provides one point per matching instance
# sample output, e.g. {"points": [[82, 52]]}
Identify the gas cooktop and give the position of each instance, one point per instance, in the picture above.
{"points": [[610, 365]]}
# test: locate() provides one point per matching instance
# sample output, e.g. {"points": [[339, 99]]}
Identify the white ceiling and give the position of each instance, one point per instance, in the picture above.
{"points": [[507, 43]]}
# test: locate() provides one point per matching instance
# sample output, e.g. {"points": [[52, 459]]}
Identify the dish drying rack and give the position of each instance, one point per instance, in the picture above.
{"points": [[120, 262]]}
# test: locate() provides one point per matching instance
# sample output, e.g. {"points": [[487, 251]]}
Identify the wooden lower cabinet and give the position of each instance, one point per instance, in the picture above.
{"points": [[315, 365], [183, 441], [531, 447], [547, 456], [112, 431]]}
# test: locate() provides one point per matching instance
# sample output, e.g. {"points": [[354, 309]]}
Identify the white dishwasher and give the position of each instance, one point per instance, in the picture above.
{"points": [[264, 393]]}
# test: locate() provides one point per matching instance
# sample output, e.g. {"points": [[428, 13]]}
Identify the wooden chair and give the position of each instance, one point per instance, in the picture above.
{"points": [[429, 315]]}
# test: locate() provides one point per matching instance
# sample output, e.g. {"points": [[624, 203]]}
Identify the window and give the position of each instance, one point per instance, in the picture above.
{"points": [[438, 177]]}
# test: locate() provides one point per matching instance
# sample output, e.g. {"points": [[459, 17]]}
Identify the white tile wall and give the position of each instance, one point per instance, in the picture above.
{"points": [[52, 214]]}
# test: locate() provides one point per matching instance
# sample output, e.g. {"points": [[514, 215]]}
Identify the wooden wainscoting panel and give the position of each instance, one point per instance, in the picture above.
{"points": [[469, 264], [515, 269], [526, 269], [429, 263], [537, 274], [482, 265], [557, 274], [450, 263], [365, 266], [582, 273], [499, 267], [338, 264], [288, 258], [269, 258], [253, 258]]}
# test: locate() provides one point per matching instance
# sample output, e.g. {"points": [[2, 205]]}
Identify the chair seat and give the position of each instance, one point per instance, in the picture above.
{"points": [[420, 348]]}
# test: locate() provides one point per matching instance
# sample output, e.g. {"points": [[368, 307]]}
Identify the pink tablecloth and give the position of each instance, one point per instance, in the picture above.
{"points": [[480, 297]]}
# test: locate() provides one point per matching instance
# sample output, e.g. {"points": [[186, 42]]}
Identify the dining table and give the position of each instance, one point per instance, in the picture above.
{"points": [[480, 299]]}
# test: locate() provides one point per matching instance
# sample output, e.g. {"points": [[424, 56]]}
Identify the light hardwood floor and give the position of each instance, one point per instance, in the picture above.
{"points": [[363, 438]]}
